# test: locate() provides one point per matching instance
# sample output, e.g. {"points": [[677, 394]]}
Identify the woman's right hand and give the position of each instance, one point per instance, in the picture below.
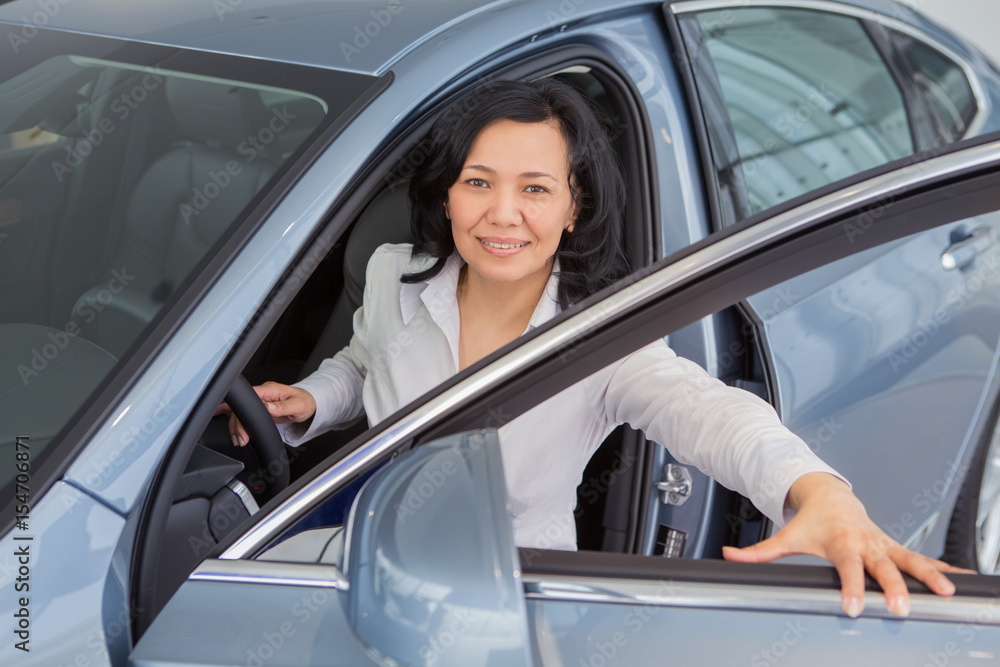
{"points": [[285, 404]]}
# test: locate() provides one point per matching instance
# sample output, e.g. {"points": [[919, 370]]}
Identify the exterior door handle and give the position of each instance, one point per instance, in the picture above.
{"points": [[958, 255]]}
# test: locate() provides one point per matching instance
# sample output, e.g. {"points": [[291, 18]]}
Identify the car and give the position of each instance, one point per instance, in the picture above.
{"points": [[188, 197]]}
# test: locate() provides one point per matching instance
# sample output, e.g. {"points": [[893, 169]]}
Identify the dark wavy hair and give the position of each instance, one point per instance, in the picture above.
{"points": [[592, 256]]}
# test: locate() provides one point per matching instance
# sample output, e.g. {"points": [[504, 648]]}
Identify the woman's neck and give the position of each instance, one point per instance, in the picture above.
{"points": [[494, 313]]}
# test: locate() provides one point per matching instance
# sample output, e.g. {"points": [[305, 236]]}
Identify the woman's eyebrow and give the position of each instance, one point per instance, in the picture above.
{"points": [[527, 174], [538, 174]]}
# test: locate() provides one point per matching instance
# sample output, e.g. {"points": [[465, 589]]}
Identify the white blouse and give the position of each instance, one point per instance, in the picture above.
{"points": [[406, 342]]}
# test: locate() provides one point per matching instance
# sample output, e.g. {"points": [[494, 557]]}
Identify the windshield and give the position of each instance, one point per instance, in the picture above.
{"points": [[122, 167]]}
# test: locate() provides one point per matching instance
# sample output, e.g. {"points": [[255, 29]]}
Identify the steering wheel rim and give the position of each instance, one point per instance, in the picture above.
{"points": [[264, 436]]}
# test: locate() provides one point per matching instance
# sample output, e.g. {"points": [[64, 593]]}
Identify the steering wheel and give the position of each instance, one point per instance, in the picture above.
{"points": [[264, 437]]}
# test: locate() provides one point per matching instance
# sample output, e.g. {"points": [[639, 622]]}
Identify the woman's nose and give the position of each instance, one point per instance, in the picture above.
{"points": [[506, 208]]}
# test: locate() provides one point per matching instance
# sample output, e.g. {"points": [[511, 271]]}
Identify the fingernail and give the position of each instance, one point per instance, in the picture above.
{"points": [[947, 587], [271, 407], [900, 606], [236, 441], [853, 607]]}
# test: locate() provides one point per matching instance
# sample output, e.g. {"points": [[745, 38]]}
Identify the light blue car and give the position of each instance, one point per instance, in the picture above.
{"points": [[189, 193]]}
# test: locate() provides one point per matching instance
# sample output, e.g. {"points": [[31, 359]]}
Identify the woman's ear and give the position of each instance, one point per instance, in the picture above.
{"points": [[447, 211], [571, 223]]}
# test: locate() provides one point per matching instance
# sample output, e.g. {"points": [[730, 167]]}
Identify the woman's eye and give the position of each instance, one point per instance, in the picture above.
{"points": [[476, 182], [537, 189]]}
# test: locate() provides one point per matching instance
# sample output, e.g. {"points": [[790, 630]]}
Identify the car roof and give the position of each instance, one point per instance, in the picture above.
{"points": [[365, 36]]}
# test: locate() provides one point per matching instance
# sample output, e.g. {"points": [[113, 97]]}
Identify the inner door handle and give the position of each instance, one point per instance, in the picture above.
{"points": [[958, 255]]}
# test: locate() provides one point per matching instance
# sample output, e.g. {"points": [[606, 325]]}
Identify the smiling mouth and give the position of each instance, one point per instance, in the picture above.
{"points": [[503, 246]]}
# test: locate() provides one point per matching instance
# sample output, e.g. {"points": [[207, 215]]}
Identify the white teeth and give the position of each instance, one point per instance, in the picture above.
{"points": [[504, 246]]}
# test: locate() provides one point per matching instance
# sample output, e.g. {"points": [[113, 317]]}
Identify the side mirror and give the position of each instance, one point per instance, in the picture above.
{"points": [[430, 559]]}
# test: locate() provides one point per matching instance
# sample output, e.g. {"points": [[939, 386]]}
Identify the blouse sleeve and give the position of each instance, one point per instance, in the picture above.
{"points": [[338, 382], [728, 433]]}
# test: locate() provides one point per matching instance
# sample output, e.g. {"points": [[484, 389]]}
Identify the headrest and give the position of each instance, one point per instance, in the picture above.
{"points": [[214, 113]]}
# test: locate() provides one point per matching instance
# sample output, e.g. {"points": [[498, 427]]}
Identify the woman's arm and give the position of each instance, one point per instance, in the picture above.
{"points": [[738, 439], [333, 394], [728, 433]]}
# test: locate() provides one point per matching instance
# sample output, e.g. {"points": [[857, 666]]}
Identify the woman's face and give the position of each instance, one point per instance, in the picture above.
{"points": [[512, 201]]}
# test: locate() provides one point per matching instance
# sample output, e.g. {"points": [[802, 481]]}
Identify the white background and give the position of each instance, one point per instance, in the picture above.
{"points": [[978, 21]]}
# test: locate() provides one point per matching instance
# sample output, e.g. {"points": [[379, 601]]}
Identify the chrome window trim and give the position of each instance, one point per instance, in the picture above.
{"points": [[308, 575], [744, 597], [983, 105], [878, 189]]}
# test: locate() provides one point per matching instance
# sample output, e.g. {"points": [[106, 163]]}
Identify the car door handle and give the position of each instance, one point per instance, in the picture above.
{"points": [[960, 254]]}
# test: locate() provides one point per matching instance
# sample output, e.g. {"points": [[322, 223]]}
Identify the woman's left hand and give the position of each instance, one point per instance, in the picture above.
{"points": [[832, 523]]}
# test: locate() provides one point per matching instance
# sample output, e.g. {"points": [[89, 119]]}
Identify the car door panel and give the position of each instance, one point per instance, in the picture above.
{"points": [[659, 625], [214, 623], [863, 347]]}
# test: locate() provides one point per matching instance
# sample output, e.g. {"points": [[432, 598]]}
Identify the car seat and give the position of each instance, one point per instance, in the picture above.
{"points": [[180, 206]]}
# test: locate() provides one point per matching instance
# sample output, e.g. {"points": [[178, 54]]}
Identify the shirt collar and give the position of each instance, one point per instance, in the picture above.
{"points": [[438, 294]]}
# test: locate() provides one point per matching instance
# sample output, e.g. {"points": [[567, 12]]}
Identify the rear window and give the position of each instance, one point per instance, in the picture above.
{"points": [[805, 95], [123, 168], [944, 86]]}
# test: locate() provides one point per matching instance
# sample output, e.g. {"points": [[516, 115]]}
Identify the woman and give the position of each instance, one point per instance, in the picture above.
{"points": [[516, 215]]}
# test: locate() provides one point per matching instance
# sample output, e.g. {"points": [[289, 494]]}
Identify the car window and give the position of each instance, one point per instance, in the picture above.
{"points": [[945, 87], [120, 170], [804, 97]]}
